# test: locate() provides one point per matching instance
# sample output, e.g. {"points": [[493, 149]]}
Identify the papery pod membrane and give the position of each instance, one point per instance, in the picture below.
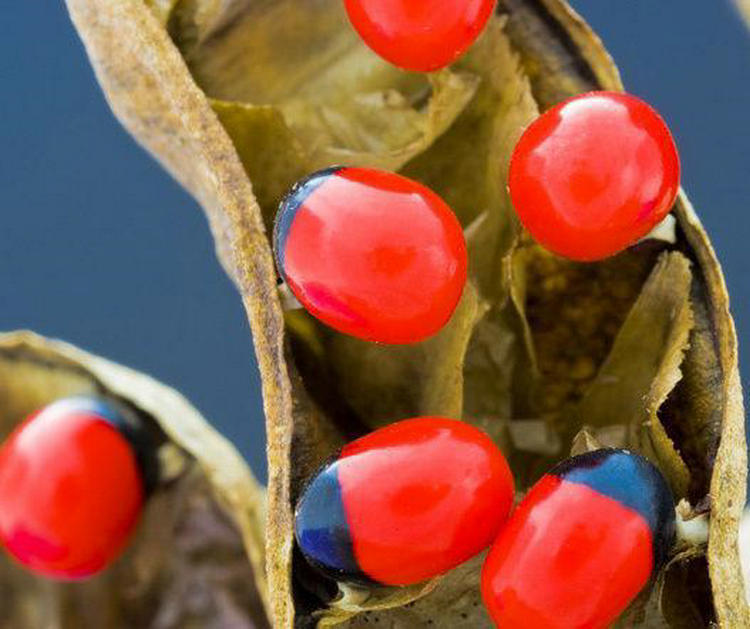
{"points": [[528, 353], [195, 559], [743, 6]]}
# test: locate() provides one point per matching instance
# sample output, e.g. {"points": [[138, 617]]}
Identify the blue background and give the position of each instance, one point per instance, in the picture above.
{"points": [[100, 247]]}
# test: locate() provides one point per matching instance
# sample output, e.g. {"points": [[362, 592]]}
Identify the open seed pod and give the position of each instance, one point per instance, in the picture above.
{"points": [[196, 557], [638, 350]]}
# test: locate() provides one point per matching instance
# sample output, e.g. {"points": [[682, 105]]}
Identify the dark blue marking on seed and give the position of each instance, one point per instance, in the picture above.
{"points": [[131, 426], [632, 481], [322, 530]]}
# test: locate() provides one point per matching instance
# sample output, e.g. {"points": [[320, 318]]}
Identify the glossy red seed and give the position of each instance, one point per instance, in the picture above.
{"points": [[422, 497], [372, 254], [568, 559], [406, 502], [70, 491], [594, 174], [421, 35], [581, 545]]}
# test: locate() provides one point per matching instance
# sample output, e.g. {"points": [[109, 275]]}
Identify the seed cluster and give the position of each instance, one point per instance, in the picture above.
{"points": [[370, 253], [381, 257]]}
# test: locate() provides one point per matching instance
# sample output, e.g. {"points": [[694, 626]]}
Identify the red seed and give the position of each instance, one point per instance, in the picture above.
{"points": [[70, 490], [594, 174], [405, 503], [581, 545], [371, 254], [421, 35]]}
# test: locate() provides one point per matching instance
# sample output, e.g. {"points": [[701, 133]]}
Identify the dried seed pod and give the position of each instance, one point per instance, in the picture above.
{"points": [[743, 6], [204, 508], [223, 93]]}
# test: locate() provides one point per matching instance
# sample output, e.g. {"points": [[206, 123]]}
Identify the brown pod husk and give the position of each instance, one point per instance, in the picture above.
{"points": [[743, 6], [196, 557], [225, 92]]}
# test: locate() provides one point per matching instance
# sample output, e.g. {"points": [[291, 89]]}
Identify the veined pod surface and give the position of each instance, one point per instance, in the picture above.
{"points": [[228, 93]]}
